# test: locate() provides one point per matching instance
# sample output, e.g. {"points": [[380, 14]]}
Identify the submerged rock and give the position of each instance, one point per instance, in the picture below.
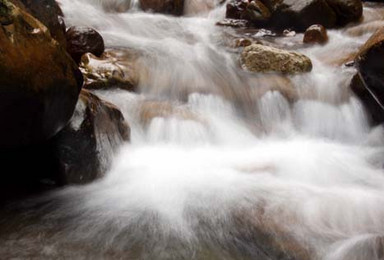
{"points": [[369, 84], [39, 82], [81, 40], [119, 6], [86, 145], [260, 58], [114, 69], [316, 34], [173, 7]]}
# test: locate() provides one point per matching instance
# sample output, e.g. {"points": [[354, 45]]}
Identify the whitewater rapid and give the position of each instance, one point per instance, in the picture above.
{"points": [[222, 163]]}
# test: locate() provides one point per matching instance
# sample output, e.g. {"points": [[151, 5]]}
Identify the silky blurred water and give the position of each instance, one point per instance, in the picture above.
{"points": [[221, 161]]}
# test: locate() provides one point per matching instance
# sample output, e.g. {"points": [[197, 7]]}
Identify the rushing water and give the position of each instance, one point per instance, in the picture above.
{"points": [[223, 164]]}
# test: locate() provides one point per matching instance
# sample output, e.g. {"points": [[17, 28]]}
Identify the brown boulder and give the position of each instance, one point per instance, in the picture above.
{"points": [[86, 145], [39, 82], [47, 12], [173, 7], [316, 34], [81, 40], [346, 10]]}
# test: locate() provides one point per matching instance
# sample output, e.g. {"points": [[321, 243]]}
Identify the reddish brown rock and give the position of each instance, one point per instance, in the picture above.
{"points": [[316, 34], [47, 12], [39, 82], [81, 40]]}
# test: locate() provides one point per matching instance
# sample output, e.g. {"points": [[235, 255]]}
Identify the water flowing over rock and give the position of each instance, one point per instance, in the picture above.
{"points": [[260, 58], [297, 15], [369, 83], [81, 40], [39, 82], [114, 69], [173, 7], [85, 147]]}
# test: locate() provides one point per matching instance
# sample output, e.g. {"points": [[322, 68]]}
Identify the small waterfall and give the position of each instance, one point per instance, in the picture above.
{"points": [[223, 164]]}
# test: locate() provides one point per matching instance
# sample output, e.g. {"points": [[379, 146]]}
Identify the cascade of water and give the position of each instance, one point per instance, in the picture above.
{"points": [[226, 165]]}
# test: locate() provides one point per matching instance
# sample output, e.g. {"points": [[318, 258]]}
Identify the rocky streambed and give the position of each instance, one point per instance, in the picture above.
{"points": [[171, 129]]}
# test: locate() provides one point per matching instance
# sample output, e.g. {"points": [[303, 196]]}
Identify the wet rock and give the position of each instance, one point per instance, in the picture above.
{"points": [[260, 58], [39, 82], [253, 11], [242, 42], [346, 10], [368, 84], [173, 7], [236, 23], [84, 148], [114, 69], [81, 40], [374, 108], [316, 34], [297, 15], [47, 12]]}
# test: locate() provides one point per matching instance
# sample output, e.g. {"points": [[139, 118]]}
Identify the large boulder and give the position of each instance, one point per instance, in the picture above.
{"points": [[39, 82], [49, 13], [85, 147], [114, 69], [369, 84], [260, 58], [173, 7], [346, 10], [298, 15], [81, 40]]}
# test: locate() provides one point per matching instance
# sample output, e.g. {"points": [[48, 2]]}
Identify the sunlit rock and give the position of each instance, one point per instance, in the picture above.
{"points": [[39, 82], [114, 69], [85, 147], [260, 58]]}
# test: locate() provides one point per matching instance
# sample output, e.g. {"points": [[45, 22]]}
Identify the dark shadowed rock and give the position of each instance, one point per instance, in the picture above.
{"points": [[346, 10], [86, 145], [81, 40], [316, 34], [49, 13], [39, 82], [173, 7], [297, 15], [369, 86]]}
